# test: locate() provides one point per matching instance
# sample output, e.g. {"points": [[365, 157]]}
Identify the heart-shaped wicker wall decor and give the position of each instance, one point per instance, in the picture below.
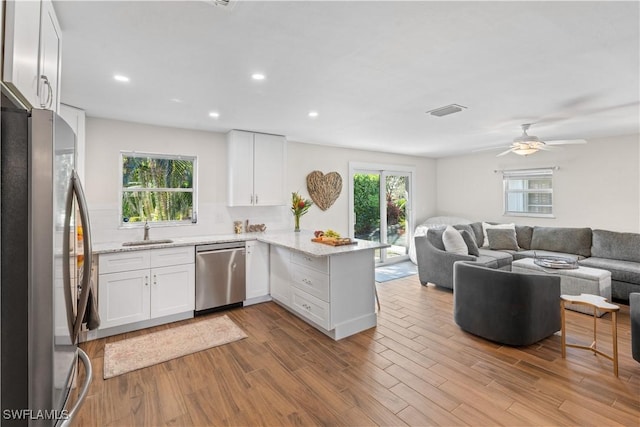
{"points": [[324, 189]]}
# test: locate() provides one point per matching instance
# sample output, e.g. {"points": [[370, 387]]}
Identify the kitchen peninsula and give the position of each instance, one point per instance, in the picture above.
{"points": [[330, 287]]}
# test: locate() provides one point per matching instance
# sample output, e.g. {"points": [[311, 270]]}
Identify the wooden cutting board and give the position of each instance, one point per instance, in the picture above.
{"points": [[333, 241]]}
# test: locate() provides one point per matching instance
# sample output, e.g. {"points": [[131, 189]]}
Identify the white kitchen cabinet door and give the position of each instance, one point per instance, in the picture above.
{"points": [[76, 118], [172, 290], [269, 170], [279, 278], [240, 163], [257, 169], [257, 269], [50, 59], [21, 49], [123, 298]]}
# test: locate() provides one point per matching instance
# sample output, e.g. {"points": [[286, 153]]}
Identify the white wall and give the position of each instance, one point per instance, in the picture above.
{"points": [[305, 158], [106, 138], [597, 185]]}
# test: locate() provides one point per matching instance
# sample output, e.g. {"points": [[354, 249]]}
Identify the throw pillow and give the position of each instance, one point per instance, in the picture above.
{"points": [[486, 225], [502, 239], [470, 241], [453, 241]]}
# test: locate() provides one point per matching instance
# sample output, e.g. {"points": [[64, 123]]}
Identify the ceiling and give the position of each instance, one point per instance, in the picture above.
{"points": [[370, 69]]}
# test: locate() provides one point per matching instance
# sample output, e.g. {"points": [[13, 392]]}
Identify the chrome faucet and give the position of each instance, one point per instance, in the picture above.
{"points": [[146, 231]]}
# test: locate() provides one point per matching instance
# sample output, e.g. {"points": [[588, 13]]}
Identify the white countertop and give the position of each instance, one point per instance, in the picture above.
{"points": [[300, 241]]}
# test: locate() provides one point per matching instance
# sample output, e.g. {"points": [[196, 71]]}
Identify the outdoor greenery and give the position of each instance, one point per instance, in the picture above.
{"points": [[366, 193], [157, 188], [367, 203]]}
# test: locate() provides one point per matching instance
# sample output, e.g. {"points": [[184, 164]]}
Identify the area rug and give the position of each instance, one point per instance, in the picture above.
{"points": [[395, 271], [146, 350]]}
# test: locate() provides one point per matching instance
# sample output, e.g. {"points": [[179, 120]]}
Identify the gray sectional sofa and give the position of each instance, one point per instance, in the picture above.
{"points": [[616, 252]]}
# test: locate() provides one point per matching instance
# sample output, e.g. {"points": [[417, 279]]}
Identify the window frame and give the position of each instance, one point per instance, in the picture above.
{"points": [[527, 174], [193, 190]]}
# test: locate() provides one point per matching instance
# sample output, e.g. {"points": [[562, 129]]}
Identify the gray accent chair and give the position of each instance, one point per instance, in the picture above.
{"points": [[515, 309], [634, 314]]}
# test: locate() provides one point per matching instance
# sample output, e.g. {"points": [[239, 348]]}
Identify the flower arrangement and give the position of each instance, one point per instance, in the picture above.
{"points": [[299, 207]]}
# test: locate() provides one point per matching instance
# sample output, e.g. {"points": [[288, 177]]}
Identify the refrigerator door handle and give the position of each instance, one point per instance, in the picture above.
{"points": [[75, 188], [88, 371]]}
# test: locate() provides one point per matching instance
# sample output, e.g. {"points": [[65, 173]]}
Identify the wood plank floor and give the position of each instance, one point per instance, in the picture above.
{"points": [[415, 368]]}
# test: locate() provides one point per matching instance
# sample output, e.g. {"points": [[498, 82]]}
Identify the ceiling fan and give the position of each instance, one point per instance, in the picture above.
{"points": [[526, 144]]}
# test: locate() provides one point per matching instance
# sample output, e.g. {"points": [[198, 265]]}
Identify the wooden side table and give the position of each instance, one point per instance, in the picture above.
{"points": [[596, 303]]}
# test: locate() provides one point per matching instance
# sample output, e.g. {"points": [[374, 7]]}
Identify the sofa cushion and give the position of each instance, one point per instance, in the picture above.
{"points": [[615, 245], [503, 259], [486, 225], [562, 239], [477, 231], [622, 271], [523, 235], [453, 241], [467, 227], [470, 241], [434, 235], [502, 239], [538, 253]]}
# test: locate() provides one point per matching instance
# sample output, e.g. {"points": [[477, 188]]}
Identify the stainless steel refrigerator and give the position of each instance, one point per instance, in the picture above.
{"points": [[45, 269]]}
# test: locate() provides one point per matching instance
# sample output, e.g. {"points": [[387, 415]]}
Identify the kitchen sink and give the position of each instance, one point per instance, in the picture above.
{"points": [[147, 242]]}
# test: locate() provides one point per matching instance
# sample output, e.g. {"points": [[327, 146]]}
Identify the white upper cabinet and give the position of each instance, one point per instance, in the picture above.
{"points": [[50, 58], [257, 169], [31, 61], [269, 169], [21, 54]]}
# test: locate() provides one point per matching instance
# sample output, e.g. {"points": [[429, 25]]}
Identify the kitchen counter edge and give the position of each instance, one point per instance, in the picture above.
{"points": [[298, 241]]}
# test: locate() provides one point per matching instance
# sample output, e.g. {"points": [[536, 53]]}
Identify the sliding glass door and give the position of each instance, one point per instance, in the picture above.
{"points": [[381, 209]]}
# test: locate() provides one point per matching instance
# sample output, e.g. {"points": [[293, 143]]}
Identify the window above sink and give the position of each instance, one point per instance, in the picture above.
{"points": [[157, 188]]}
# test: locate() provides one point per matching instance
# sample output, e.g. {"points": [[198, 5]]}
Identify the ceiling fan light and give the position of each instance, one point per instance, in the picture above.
{"points": [[525, 151]]}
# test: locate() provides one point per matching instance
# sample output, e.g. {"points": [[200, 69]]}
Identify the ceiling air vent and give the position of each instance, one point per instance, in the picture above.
{"points": [[446, 110]]}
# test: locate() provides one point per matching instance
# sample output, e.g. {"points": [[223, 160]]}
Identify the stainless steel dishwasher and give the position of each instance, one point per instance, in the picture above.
{"points": [[220, 276]]}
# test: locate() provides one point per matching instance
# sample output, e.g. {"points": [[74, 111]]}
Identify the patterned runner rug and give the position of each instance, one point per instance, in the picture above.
{"points": [[146, 350]]}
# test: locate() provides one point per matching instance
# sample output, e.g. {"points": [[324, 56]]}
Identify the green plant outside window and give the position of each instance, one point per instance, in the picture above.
{"points": [[158, 188]]}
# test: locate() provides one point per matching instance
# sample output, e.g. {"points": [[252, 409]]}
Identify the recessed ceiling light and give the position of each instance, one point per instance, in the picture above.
{"points": [[121, 78], [214, 114], [313, 114], [258, 76]]}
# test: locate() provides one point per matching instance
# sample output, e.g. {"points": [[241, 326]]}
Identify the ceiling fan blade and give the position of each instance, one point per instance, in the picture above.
{"points": [[505, 152], [566, 142]]}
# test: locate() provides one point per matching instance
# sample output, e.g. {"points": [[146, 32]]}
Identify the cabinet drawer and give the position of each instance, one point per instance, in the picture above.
{"points": [[317, 263], [172, 256], [124, 261], [310, 281], [310, 307]]}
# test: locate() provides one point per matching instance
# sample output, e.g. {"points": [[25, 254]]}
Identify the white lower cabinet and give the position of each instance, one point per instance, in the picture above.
{"points": [[140, 285], [172, 290], [333, 293], [311, 307], [279, 260], [257, 272]]}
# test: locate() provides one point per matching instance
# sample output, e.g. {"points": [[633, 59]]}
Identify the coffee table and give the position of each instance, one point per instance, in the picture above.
{"points": [[593, 303], [587, 280]]}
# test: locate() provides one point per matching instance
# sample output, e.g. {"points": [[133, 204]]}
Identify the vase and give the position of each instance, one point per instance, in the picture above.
{"points": [[297, 223]]}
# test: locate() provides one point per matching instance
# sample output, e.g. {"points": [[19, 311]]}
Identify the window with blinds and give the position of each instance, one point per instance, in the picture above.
{"points": [[528, 192]]}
